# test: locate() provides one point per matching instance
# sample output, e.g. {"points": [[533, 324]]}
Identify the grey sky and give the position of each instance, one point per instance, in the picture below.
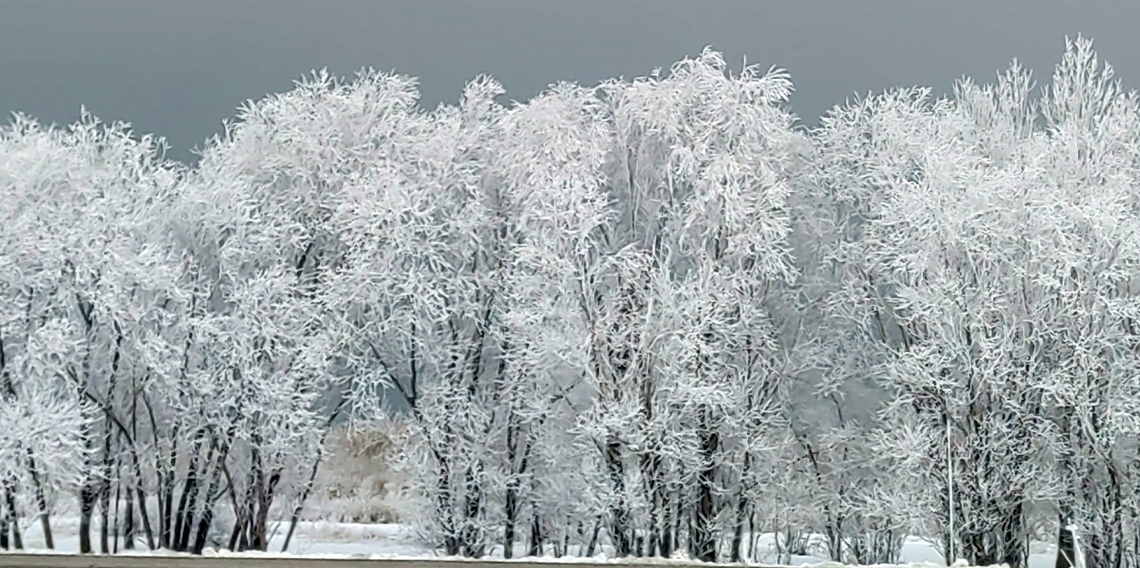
{"points": [[178, 67]]}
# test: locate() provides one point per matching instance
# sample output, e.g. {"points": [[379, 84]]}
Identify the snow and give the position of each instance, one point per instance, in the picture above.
{"points": [[311, 538], [333, 540]]}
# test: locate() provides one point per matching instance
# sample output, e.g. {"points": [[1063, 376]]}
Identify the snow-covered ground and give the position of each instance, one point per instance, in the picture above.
{"points": [[393, 540], [310, 538]]}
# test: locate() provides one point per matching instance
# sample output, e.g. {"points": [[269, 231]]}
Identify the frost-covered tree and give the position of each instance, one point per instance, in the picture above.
{"points": [[1088, 282], [985, 240], [418, 295], [685, 357], [87, 284], [934, 219], [258, 389], [650, 317], [547, 167]]}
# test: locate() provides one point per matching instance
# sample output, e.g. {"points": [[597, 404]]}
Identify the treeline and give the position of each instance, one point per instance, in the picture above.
{"points": [[654, 317]]}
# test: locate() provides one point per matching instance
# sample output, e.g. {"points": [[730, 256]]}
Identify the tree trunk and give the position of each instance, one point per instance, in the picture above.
{"points": [[741, 513], [651, 472], [166, 494], [213, 493], [87, 496], [738, 530], [678, 518], [4, 522], [704, 534], [296, 517], [753, 538], [619, 528], [235, 534], [511, 507], [129, 521], [593, 546], [1065, 556], [41, 501], [256, 495], [193, 507], [137, 493], [105, 498], [117, 520], [535, 548], [189, 492], [108, 438], [473, 500], [511, 499], [263, 492], [13, 516], [443, 507]]}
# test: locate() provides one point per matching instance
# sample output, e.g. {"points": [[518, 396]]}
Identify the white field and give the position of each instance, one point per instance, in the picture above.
{"points": [[322, 538]]}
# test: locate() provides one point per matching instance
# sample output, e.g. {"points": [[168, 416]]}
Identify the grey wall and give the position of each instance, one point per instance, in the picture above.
{"points": [[178, 67]]}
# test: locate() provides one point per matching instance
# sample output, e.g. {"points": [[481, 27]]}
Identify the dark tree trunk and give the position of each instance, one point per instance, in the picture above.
{"points": [[738, 530], [137, 495], [13, 516], [753, 538], [511, 499], [834, 531], [619, 528], [704, 534], [658, 524], [536, 543], [166, 495], [206, 519], [741, 513], [1065, 557], [593, 546], [87, 495], [444, 509], [203, 532], [473, 500], [108, 440], [296, 517], [129, 521], [256, 496], [678, 518], [137, 492], [185, 501], [262, 497], [4, 522], [105, 498], [8, 515], [117, 520], [41, 501], [511, 506], [194, 509], [235, 534], [1003, 546]]}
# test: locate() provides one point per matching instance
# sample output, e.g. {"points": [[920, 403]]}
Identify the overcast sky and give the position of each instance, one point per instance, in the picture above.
{"points": [[178, 67]]}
